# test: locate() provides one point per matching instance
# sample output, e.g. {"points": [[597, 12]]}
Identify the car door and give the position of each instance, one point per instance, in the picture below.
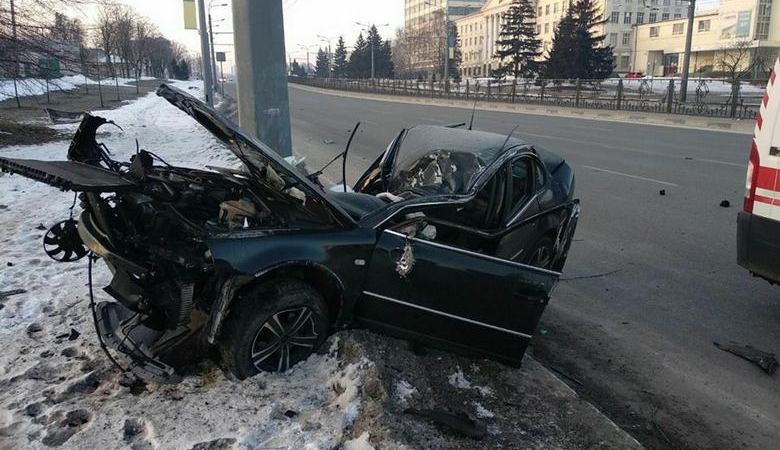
{"points": [[452, 297]]}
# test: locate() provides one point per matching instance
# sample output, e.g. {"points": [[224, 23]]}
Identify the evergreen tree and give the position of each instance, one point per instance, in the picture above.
{"points": [[297, 69], [518, 44], [322, 68], [577, 51], [360, 59], [340, 59]]}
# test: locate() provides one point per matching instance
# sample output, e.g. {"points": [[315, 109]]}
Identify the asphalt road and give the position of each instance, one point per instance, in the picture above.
{"points": [[651, 281]]}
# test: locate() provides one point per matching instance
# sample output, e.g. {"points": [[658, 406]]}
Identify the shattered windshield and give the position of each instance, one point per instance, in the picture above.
{"points": [[438, 172]]}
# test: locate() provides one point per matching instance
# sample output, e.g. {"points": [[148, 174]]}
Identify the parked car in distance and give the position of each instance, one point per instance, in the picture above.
{"points": [[452, 237], [634, 75]]}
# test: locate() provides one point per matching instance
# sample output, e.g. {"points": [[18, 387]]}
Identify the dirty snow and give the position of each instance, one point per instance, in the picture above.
{"points": [[482, 412], [56, 391], [459, 380], [403, 392], [37, 86], [361, 443]]}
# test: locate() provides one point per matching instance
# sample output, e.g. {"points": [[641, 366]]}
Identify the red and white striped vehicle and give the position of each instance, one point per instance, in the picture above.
{"points": [[758, 224]]}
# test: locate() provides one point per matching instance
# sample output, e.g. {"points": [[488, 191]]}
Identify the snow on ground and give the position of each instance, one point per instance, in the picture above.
{"points": [[37, 86], [57, 391]]}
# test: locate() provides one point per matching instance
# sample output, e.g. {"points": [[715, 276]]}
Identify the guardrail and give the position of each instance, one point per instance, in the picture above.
{"points": [[706, 97]]}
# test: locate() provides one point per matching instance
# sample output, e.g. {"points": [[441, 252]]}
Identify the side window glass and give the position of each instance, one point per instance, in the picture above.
{"points": [[522, 179], [539, 175]]}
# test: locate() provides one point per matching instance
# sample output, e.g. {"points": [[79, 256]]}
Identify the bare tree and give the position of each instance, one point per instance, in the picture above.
{"points": [[739, 62]]}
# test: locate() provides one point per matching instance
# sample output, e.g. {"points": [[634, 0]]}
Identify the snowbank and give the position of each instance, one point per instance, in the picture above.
{"points": [[37, 86]]}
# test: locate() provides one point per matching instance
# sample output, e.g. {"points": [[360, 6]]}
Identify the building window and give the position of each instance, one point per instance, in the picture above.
{"points": [[678, 16], [624, 61], [704, 25], [677, 28], [651, 18], [640, 18], [653, 32], [627, 18], [555, 7], [546, 10], [539, 14], [626, 39], [538, 28], [665, 16], [546, 28], [666, 2], [615, 17], [612, 39], [762, 21]]}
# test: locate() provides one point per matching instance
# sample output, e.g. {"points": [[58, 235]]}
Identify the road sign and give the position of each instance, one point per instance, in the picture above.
{"points": [[221, 57]]}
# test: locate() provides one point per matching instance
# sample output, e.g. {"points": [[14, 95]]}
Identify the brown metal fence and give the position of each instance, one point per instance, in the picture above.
{"points": [[706, 97]]}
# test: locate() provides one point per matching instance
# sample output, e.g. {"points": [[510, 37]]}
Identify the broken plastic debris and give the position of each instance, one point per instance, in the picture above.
{"points": [[766, 361], [725, 204]]}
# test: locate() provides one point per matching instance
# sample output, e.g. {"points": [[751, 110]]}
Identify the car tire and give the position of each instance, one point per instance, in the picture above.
{"points": [[273, 327], [543, 253]]}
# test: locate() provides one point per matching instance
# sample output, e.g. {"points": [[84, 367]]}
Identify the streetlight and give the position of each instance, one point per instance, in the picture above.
{"points": [[330, 55], [445, 13], [687, 55], [367, 28], [211, 39], [308, 64]]}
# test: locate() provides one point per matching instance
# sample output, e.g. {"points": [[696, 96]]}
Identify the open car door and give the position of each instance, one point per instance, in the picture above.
{"points": [[453, 298]]}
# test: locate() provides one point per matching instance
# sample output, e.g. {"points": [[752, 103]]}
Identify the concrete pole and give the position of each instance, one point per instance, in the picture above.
{"points": [[16, 54], [372, 60], [263, 103], [212, 54], [687, 56], [204, 54], [446, 48]]}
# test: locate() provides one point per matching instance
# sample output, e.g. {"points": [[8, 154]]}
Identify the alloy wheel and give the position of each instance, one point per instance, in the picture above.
{"points": [[284, 339]]}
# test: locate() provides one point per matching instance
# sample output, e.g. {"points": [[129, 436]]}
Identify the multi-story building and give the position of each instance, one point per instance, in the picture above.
{"points": [[479, 31], [745, 29], [425, 25]]}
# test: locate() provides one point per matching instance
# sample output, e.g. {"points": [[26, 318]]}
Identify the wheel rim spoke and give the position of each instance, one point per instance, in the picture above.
{"points": [[262, 355], [303, 341], [301, 320], [284, 358]]}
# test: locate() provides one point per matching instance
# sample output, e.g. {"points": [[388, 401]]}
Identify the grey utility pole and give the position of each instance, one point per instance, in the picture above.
{"points": [[687, 56], [211, 39], [208, 85], [263, 103], [368, 34], [16, 54]]}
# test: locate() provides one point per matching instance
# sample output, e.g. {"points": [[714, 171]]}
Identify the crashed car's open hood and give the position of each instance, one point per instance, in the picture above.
{"points": [[251, 151]]}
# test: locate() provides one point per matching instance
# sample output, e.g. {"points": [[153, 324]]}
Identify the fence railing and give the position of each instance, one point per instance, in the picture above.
{"points": [[705, 97]]}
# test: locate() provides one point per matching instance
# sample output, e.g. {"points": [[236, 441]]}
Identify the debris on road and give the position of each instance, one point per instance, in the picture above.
{"points": [[460, 423], [662, 192], [5, 294], [57, 116], [328, 141], [766, 361], [725, 204]]}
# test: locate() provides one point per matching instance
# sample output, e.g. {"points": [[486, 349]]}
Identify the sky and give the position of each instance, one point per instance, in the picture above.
{"points": [[304, 20]]}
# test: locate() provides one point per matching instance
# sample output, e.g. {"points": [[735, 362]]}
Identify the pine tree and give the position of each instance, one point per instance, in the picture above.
{"points": [[360, 59], [518, 44], [577, 51], [340, 59], [322, 67], [457, 56]]}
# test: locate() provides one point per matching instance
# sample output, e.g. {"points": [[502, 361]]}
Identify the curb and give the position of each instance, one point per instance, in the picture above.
{"points": [[654, 119]]}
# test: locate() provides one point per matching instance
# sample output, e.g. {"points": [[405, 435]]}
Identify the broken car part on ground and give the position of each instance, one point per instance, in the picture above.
{"points": [[452, 237]]}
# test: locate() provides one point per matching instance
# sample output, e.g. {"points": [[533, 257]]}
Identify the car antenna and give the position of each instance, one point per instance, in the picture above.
{"points": [[509, 136], [473, 110], [344, 164]]}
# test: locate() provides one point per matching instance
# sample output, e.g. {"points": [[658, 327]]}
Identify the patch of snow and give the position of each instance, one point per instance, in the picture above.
{"points": [[402, 391], [482, 412], [360, 443], [37, 86], [458, 379], [485, 391], [323, 392]]}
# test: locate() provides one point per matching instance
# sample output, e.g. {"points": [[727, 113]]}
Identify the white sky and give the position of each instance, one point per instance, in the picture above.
{"points": [[303, 21]]}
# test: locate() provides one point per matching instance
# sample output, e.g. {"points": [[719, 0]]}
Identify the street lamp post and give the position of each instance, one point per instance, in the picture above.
{"points": [[687, 56], [211, 39], [208, 85], [330, 55], [367, 27], [308, 63]]}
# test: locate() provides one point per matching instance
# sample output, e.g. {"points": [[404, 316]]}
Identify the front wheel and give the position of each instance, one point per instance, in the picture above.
{"points": [[273, 327]]}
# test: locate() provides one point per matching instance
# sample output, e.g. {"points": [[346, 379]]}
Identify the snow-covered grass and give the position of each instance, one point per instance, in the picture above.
{"points": [[54, 390], [37, 86]]}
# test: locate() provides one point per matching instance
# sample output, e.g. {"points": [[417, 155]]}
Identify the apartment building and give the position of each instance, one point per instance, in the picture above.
{"points": [[424, 24], [750, 25]]}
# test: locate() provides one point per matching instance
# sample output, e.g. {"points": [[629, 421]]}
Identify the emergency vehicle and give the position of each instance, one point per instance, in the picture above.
{"points": [[758, 224]]}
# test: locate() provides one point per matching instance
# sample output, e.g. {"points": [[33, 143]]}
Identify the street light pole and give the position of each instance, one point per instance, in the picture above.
{"points": [[687, 56], [208, 85], [211, 39], [371, 41]]}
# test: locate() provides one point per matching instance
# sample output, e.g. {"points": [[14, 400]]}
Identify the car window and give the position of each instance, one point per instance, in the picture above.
{"points": [[539, 176], [521, 181]]}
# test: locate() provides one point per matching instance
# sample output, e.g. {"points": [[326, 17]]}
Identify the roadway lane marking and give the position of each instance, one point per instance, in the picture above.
{"points": [[627, 175]]}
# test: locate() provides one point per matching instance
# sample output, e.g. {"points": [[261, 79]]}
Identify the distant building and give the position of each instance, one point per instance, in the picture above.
{"points": [[736, 25], [478, 33], [424, 25]]}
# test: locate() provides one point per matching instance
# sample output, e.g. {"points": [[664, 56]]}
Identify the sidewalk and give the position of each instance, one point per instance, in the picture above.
{"points": [[643, 118]]}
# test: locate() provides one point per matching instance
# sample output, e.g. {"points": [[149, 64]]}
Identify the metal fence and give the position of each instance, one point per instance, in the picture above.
{"points": [[705, 97]]}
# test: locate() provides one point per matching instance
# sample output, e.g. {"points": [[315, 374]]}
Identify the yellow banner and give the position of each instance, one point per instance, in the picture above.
{"points": [[190, 16]]}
